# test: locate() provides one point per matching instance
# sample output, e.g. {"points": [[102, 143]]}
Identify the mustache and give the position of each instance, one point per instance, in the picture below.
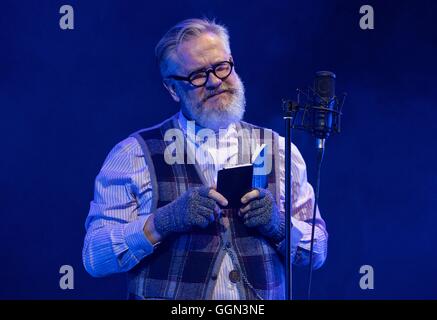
{"points": [[214, 93]]}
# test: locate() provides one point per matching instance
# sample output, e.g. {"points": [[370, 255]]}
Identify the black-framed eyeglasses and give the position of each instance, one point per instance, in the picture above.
{"points": [[199, 78]]}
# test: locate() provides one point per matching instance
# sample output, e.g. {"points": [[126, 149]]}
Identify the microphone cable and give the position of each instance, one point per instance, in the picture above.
{"points": [[320, 153]]}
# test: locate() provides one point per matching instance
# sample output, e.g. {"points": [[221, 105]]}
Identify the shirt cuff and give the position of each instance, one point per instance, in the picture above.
{"points": [[297, 232], [135, 238]]}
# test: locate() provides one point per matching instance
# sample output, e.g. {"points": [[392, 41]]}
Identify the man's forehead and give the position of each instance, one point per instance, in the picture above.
{"points": [[200, 51]]}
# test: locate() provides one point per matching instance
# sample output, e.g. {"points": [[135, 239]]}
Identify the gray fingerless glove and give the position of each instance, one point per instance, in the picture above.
{"points": [[265, 216], [193, 208]]}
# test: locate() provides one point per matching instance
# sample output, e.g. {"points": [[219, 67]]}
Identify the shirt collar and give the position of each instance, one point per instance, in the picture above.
{"points": [[183, 122]]}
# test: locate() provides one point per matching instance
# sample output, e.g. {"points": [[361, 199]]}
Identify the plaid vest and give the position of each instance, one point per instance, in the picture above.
{"points": [[186, 265]]}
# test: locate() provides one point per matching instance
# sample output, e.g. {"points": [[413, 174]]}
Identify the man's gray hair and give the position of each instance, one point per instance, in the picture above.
{"points": [[184, 31]]}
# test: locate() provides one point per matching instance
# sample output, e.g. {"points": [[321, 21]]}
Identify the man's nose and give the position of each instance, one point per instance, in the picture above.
{"points": [[213, 81]]}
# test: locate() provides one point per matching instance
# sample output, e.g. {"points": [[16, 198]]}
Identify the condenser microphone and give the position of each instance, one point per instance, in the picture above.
{"points": [[324, 102]]}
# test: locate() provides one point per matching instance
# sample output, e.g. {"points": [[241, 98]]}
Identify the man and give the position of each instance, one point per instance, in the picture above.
{"points": [[164, 223]]}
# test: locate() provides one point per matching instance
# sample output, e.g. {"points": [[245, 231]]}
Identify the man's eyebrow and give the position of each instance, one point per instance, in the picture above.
{"points": [[212, 64], [199, 69]]}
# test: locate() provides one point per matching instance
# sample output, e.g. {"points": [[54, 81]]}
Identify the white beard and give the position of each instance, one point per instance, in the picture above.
{"points": [[219, 118]]}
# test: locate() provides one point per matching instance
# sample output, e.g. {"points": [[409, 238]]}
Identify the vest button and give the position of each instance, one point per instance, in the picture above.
{"points": [[214, 277], [228, 245], [234, 276]]}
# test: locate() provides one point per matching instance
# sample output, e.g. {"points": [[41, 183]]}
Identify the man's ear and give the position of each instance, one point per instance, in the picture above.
{"points": [[171, 88]]}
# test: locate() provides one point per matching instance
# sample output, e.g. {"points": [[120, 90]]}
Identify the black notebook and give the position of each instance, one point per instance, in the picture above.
{"points": [[234, 182]]}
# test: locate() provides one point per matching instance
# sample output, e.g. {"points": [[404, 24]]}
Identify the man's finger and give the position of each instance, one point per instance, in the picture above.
{"points": [[250, 196], [244, 210], [218, 197], [252, 205]]}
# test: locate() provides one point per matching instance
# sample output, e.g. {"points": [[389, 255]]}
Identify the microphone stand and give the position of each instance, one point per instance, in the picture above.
{"points": [[290, 109], [328, 111]]}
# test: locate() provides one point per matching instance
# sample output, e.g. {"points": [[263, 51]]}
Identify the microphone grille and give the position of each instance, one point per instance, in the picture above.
{"points": [[324, 84]]}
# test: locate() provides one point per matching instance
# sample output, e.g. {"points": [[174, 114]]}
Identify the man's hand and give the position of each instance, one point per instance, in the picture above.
{"points": [[260, 211], [196, 207]]}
